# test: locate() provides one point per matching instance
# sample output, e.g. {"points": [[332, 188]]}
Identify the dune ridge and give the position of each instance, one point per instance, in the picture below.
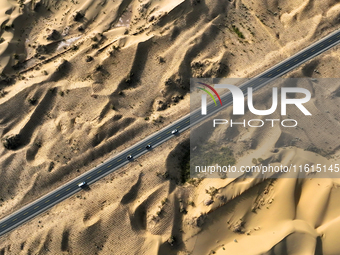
{"points": [[83, 80]]}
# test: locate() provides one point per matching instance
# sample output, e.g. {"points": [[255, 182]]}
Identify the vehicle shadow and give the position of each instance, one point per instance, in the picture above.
{"points": [[86, 188]]}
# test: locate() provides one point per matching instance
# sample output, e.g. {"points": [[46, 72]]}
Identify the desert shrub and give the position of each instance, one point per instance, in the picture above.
{"points": [[238, 32], [11, 142], [32, 100]]}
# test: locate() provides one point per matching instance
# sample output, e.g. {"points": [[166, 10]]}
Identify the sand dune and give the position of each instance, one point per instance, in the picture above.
{"points": [[82, 80]]}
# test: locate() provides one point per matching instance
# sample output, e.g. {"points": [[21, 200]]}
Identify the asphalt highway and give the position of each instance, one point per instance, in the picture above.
{"points": [[42, 204]]}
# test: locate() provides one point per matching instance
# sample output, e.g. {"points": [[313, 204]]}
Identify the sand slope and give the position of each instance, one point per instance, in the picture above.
{"points": [[82, 80]]}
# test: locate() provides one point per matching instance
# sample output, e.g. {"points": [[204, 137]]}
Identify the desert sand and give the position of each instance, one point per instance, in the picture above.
{"points": [[82, 80]]}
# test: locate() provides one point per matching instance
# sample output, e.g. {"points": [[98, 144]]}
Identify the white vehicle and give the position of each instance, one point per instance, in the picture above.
{"points": [[129, 157], [82, 184], [175, 131]]}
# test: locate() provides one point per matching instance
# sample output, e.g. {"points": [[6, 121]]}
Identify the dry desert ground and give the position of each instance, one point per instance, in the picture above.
{"points": [[81, 80]]}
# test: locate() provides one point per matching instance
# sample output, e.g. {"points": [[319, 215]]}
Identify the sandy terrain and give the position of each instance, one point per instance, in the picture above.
{"points": [[82, 80]]}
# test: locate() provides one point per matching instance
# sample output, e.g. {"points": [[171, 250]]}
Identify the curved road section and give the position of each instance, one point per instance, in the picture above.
{"points": [[40, 205]]}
